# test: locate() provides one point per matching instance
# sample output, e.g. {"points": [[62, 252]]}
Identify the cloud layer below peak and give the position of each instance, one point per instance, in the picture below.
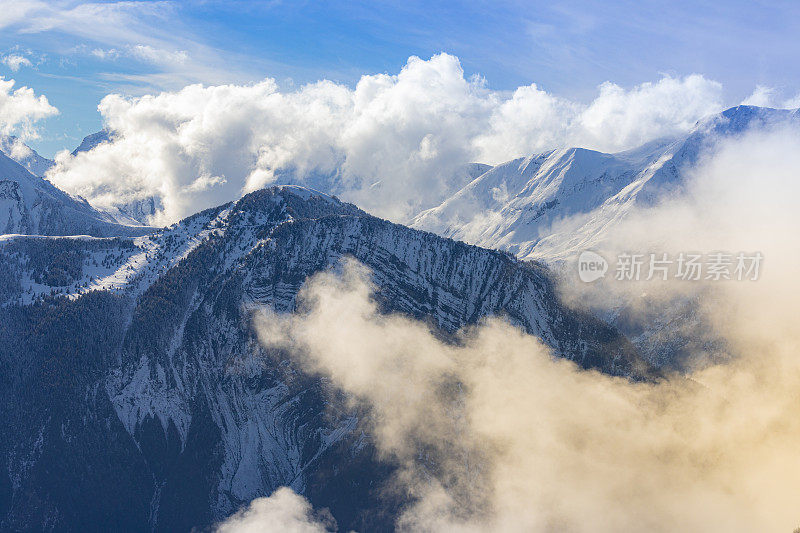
{"points": [[378, 144]]}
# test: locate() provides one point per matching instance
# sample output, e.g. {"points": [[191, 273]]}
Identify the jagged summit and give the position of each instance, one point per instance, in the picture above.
{"points": [[290, 193]]}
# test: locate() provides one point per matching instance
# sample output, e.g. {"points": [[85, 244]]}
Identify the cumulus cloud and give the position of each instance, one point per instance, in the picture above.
{"points": [[379, 144], [16, 61], [283, 512], [517, 441], [533, 120], [762, 96], [20, 109], [765, 96]]}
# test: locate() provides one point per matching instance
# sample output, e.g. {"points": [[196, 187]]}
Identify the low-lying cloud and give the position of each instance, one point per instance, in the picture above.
{"points": [[282, 512], [524, 442], [739, 198], [528, 443], [379, 144]]}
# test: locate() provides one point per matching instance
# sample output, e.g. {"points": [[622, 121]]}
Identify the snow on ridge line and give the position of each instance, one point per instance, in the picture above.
{"points": [[16, 236], [563, 206], [304, 192]]}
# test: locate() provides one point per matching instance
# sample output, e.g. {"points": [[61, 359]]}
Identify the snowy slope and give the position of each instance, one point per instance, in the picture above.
{"points": [[92, 140], [168, 388], [552, 205], [33, 206], [24, 155]]}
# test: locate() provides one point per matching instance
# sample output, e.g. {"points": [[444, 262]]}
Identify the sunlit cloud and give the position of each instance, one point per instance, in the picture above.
{"points": [[378, 144]]}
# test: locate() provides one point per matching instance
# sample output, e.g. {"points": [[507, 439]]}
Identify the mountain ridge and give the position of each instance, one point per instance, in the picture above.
{"points": [[551, 206], [170, 389]]}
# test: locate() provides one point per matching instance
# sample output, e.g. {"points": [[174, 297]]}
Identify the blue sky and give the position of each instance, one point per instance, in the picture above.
{"points": [[79, 52]]}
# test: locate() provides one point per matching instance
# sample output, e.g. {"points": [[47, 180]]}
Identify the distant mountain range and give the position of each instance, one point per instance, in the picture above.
{"points": [[23, 154], [544, 206], [552, 205], [44, 209], [13, 148]]}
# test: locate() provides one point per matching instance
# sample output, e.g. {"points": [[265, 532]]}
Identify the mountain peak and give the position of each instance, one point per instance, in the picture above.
{"points": [[299, 202], [23, 154], [742, 117], [92, 140]]}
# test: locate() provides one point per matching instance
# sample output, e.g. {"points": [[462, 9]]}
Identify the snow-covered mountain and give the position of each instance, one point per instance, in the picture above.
{"points": [[33, 206], [550, 206], [138, 362], [26, 156], [136, 212]]}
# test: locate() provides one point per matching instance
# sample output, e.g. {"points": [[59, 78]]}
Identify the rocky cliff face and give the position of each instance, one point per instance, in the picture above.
{"points": [[137, 397]]}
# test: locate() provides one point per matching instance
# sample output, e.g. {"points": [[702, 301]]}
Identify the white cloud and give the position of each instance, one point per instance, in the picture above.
{"points": [[97, 21], [384, 141], [533, 120], [16, 61], [529, 443], [140, 52], [151, 32], [156, 56], [619, 119], [105, 54], [792, 103], [283, 512], [762, 96], [20, 109]]}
